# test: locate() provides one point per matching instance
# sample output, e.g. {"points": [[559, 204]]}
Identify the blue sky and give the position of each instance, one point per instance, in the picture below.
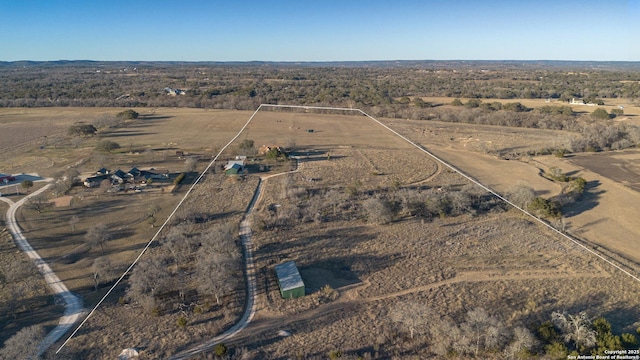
{"points": [[328, 30]]}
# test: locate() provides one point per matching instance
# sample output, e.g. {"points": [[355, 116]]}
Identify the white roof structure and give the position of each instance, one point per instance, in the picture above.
{"points": [[288, 276]]}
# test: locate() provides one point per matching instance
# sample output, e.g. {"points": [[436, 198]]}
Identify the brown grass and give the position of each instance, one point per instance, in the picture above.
{"points": [[501, 261]]}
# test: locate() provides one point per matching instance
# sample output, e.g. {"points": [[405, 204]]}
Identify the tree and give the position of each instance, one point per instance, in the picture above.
{"points": [[73, 222], [575, 328], [617, 112], [98, 235], [412, 317], [484, 330], [600, 113], [522, 340], [378, 211], [83, 130], [37, 203], [127, 115], [24, 345], [522, 195], [456, 102], [190, 164], [107, 146], [26, 184], [149, 279], [473, 103], [102, 270]]}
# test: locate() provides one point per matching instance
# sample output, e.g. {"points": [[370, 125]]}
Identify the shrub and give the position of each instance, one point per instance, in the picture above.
{"points": [[178, 179], [560, 153], [82, 130], [545, 208], [600, 113], [107, 146], [220, 349], [182, 322], [127, 115], [456, 102]]}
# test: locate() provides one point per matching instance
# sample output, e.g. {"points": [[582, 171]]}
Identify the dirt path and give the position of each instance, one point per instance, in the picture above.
{"points": [[73, 304]]}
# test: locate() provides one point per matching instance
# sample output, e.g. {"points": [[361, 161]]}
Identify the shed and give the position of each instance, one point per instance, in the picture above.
{"points": [[289, 280], [234, 167]]}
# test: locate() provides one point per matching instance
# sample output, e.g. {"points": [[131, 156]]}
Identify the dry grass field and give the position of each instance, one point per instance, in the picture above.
{"points": [[497, 259]]}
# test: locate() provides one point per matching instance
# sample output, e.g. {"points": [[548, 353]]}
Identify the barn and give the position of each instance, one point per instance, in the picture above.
{"points": [[234, 167], [289, 280]]}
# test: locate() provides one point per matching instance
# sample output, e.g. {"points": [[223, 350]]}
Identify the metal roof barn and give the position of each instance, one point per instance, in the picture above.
{"points": [[289, 280]]}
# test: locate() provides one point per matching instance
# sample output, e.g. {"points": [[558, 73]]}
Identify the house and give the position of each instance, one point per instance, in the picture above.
{"points": [[118, 177], [94, 181], [135, 172], [155, 174], [289, 280], [234, 167], [102, 171]]}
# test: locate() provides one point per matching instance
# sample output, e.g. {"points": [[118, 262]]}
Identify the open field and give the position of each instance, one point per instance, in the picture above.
{"points": [[493, 258]]}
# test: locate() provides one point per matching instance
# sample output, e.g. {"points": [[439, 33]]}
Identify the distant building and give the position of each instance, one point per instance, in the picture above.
{"points": [[289, 280]]}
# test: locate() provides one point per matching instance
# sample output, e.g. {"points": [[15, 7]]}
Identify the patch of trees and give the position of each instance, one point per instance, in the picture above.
{"points": [[210, 259], [478, 335], [380, 206], [575, 334]]}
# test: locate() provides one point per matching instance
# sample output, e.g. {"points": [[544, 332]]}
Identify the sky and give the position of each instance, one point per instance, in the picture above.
{"points": [[327, 30]]}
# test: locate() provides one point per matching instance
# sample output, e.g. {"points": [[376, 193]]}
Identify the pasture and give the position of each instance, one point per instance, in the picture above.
{"points": [[496, 258]]}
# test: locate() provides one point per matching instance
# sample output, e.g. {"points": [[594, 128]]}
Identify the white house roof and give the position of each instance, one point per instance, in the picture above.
{"points": [[288, 276]]}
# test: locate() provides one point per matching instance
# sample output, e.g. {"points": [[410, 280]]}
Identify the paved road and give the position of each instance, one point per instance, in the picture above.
{"points": [[73, 304]]}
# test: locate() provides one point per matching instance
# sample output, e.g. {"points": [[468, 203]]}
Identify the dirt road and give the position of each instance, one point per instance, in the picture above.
{"points": [[73, 304]]}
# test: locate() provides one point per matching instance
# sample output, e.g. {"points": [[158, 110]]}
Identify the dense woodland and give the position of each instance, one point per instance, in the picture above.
{"points": [[385, 85]]}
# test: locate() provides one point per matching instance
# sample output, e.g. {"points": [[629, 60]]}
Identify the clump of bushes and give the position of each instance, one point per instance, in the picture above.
{"points": [[542, 207], [127, 115]]}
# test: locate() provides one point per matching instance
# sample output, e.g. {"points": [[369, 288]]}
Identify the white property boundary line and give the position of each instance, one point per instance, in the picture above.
{"points": [[336, 109]]}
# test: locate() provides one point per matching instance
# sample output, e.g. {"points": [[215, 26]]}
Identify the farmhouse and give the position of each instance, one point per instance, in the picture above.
{"points": [[119, 177], [289, 280]]}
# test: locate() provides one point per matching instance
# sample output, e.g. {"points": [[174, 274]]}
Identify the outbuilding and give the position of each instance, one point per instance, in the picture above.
{"points": [[289, 280]]}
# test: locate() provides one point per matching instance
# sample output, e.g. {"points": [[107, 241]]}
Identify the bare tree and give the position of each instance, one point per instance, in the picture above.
{"points": [[37, 203], [522, 195], [24, 344], [522, 340], [576, 328], [149, 278], [378, 211], [218, 262], [215, 274], [412, 317], [98, 235], [484, 330], [179, 244], [73, 222], [102, 271], [190, 164]]}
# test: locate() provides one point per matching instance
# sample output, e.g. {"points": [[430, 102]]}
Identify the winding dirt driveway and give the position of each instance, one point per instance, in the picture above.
{"points": [[72, 303]]}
